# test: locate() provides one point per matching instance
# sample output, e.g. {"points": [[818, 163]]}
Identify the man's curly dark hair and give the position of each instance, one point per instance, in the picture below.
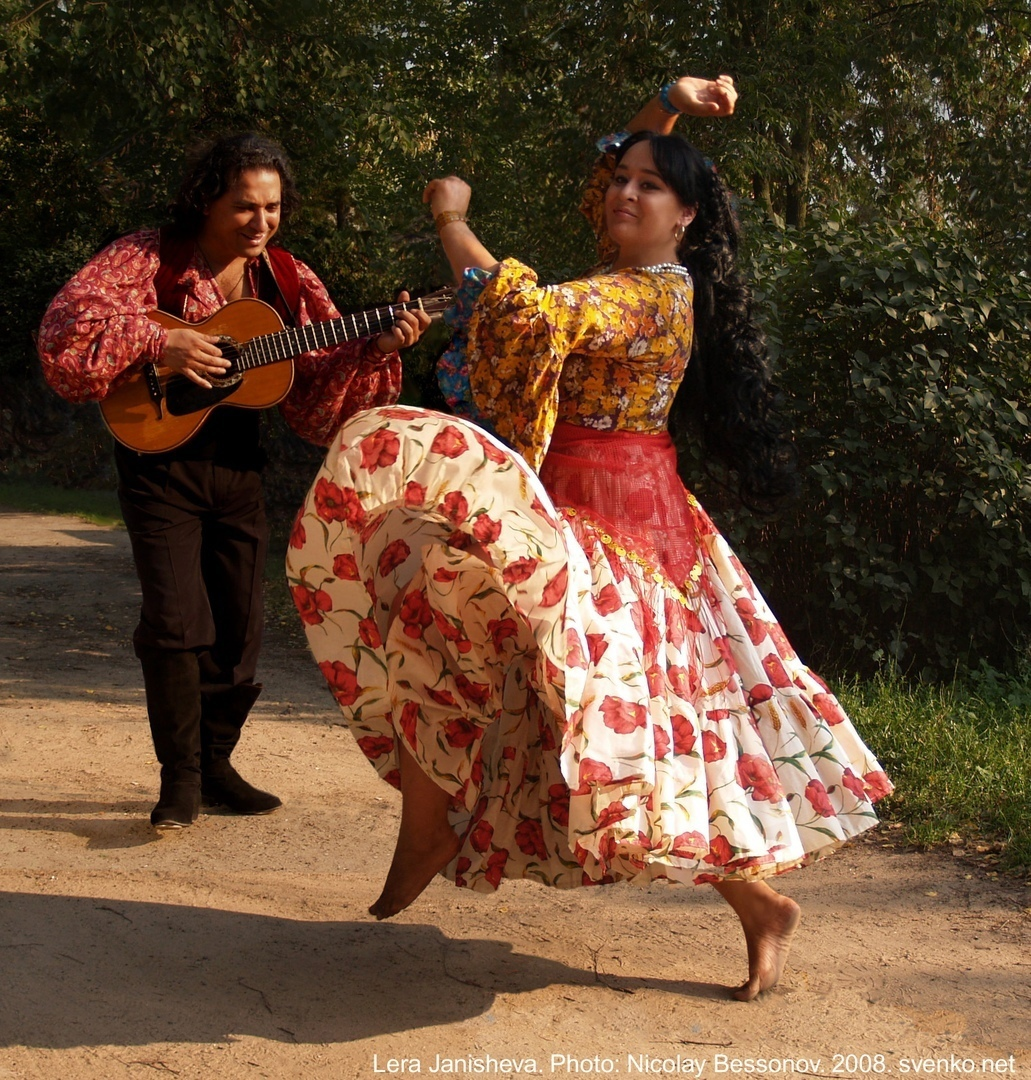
{"points": [[215, 166]]}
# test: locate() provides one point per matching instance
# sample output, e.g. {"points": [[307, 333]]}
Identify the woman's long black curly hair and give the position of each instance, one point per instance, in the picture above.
{"points": [[727, 395], [215, 166]]}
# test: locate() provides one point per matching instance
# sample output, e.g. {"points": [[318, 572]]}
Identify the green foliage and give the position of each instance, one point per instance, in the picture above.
{"points": [[907, 360], [960, 758], [909, 541]]}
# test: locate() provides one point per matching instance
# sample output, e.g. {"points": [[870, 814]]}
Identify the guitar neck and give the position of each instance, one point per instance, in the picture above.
{"points": [[286, 344]]}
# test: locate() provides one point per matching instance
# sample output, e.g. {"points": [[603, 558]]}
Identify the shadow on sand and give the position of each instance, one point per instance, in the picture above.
{"points": [[89, 971]]}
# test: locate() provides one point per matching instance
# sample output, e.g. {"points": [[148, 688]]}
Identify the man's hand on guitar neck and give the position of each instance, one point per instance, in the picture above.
{"points": [[194, 355], [408, 328]]}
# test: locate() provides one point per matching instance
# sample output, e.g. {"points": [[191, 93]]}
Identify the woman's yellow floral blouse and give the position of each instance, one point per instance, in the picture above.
{"points": [[607, 351]]}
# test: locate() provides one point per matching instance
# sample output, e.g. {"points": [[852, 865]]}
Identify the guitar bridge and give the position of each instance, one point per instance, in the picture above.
{"points": [[150, 377]]}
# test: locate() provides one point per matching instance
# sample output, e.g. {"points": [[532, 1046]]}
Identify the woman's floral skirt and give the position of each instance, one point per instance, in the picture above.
{"points": [[591, 720]]}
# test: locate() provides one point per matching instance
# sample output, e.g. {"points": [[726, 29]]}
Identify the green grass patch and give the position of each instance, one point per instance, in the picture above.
{"points": [[959, 756], [98, 507]]}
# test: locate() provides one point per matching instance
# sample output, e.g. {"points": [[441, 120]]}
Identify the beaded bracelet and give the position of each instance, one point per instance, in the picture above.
{"points": [[666, 103], [446, 217]]}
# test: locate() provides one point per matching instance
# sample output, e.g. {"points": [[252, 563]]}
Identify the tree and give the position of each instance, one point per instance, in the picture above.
{"points": [[902, 124]]}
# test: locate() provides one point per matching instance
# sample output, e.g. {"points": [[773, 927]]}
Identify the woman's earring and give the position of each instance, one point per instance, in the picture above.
{"points": [[679, 231]]}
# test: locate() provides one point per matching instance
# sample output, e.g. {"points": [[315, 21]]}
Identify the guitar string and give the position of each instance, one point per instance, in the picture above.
{"points": [[299, 336]]}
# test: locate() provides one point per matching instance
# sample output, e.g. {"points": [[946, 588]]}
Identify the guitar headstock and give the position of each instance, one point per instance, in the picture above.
{"points": [[434, 303]]}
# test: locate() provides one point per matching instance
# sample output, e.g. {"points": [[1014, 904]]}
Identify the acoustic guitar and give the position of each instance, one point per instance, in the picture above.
{"points": [[157, 409]]}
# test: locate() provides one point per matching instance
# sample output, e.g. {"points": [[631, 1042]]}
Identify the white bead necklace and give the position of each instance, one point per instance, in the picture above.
{"points": [[666, 268], [656, 268]]}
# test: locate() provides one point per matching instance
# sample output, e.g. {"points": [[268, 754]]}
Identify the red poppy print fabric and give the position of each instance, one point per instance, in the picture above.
{"points": [[590, 721]]}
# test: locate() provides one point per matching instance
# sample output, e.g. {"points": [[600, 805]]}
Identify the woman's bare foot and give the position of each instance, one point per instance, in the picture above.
{"points": [[417, 861], [768, 947], [426, 843], [769, 922]]}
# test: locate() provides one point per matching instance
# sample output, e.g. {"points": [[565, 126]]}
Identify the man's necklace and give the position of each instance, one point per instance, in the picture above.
{"points": [[226, 293]]}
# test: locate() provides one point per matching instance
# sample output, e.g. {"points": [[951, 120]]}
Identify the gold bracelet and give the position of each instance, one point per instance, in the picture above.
{"points": [[445, 217]]}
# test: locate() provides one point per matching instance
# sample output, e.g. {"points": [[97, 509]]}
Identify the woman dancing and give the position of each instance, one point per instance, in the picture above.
{"points": [[572, 678]]}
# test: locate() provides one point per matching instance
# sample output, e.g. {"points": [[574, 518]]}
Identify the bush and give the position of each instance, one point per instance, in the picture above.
{"points": [[906, 359]]}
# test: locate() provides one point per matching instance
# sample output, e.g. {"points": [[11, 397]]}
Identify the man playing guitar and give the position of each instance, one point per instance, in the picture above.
{"points": [[196, 513]]}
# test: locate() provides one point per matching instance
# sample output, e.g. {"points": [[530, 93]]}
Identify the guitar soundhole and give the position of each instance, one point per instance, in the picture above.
{"points": [[183, 396], [231, 378], [228, 348]]}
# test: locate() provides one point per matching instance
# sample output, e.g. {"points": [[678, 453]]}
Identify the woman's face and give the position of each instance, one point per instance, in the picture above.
{"points": [[643, 214], [241, 221]]}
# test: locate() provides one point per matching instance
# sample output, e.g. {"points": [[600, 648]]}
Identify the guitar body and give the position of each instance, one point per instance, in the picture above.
{"points": [[155, 409], [144, 423]]}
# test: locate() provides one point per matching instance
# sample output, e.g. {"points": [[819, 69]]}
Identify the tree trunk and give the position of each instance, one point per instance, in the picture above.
{"points": [[798, 187]]}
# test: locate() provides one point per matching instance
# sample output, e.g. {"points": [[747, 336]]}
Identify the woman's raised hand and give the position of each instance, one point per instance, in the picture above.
{"points": [[447, 193], [704, 97]]}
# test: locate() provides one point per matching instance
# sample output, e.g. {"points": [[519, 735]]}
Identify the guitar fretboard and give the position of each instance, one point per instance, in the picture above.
{"points": [[284, 344]]}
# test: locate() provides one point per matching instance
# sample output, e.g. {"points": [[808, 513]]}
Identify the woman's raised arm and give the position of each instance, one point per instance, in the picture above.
{"points": [[448, 200], [694, 97]]}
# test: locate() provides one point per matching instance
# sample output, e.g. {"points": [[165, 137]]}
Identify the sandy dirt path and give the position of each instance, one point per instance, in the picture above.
{"points": [[242, 947]]}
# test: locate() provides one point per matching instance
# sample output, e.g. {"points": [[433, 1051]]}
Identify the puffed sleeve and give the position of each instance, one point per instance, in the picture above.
{"points": [[97, 328], [333, 384], [453, 365], [592, 205], [518, 337]]}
